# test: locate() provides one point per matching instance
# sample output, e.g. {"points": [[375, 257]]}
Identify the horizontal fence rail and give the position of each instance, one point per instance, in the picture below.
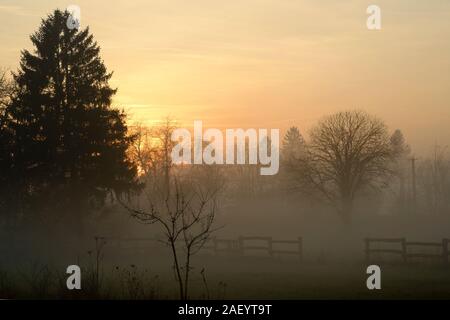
{"points": [[240, 245], [402, 248], [268, 244], [275, 247]]}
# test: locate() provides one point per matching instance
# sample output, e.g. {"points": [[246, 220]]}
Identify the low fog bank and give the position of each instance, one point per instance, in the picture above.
{"points": [[324, 234]]}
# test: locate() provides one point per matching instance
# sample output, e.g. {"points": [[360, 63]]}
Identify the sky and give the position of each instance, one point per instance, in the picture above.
{"points": [[264, 63]]}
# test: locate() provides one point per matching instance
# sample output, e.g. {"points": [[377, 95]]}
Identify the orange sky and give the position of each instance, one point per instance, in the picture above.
{"points": [[265, 63]]}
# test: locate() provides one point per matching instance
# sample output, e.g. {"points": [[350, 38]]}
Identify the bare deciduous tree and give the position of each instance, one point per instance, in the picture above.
{"points": [[186, 216], [151, 151], [8, 179], [348, 152], [433, 177], [144, 151], [181, 200], [6, 89]]}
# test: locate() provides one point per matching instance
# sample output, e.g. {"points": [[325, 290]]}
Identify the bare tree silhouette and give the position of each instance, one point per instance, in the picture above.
{"points": [[348, 151]]}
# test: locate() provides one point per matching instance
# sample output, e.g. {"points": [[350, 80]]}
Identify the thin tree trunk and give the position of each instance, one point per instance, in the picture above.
{"points": [[177, 269], [186, 275]]}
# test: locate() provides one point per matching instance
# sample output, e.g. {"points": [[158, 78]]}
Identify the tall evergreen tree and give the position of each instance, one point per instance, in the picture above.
{"points": [[70, 143], [398, 144], [293, 144]]}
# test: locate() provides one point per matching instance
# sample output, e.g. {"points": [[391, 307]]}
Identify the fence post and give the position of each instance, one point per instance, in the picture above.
{"points": [[367, 249], [445, 250], [300, 248], [270, 246], [404, 251]]}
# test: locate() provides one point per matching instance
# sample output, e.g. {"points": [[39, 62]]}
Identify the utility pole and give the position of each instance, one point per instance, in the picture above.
{"points": [[413, 171]]}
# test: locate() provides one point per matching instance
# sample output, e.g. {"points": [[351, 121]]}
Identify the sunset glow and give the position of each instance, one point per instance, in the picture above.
{"points": [[265, 63]]}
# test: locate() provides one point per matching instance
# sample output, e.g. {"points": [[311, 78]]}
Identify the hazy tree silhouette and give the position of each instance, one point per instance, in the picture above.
{"points": [[151, 151], [292, 152], [348, 152], [293, 144], [8, 193], [181, 200], [399, 145], [70, 144], [433, 179], [6, 88], [401, 151]]}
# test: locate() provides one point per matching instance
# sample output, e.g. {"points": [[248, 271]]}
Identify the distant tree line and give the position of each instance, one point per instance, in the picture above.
{"points": [[65, 150]]}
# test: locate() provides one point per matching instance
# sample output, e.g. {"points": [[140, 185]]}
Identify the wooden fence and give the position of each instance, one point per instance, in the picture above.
{"points": [[241, 245], [406, 250], [402, 247], [271, 246]]}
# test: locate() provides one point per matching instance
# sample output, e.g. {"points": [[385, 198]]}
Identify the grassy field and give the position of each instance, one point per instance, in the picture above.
{"points": [[235, 278], [268, 279], [338, 282]]}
